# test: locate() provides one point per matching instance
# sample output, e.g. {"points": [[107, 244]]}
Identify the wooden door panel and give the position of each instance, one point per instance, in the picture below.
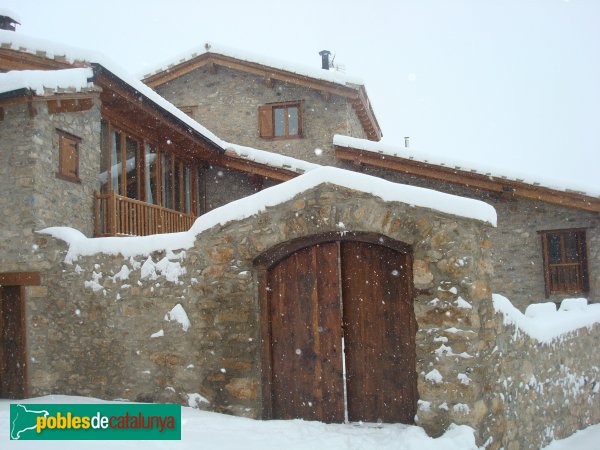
{"points": [[12, 343], [379, 330], [305, 328]]}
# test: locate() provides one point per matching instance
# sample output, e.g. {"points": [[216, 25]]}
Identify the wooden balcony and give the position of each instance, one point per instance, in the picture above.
{"points": [[116, 215]]}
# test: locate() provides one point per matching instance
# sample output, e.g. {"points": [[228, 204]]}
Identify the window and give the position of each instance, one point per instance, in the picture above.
{"points": [[565, 261], [68, 156], [138, 169], [280, 120]]}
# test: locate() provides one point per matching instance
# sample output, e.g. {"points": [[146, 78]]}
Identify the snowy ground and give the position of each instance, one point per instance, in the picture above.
{"points": [[216, 431]]}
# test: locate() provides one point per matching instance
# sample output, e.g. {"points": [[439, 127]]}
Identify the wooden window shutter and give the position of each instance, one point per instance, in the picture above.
{"points": [[68, 164], [265, 121]]}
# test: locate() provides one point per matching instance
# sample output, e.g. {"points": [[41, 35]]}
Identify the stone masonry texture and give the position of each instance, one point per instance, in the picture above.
{"points": [[516, 243], [34, 197], [236, 96], [91, 333]]}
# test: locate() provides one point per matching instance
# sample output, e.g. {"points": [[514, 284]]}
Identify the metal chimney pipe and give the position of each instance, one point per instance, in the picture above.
{"points": [[406, 141], [325, 59]]}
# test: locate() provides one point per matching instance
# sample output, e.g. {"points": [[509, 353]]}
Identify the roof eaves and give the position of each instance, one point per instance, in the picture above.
{"points": [[569, 198], [99, 68]]}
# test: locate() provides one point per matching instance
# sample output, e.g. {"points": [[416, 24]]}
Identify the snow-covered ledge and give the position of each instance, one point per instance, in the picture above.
{"points": [[547, 368], [79, 245]]}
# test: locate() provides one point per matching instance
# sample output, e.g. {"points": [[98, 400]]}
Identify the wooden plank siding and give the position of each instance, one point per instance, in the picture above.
{"points": [[13, 356], [379, 331], [306, 336], [314, 297]]}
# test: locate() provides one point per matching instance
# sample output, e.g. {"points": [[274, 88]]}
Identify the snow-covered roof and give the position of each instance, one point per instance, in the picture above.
{"points": [[452, 162], [44, 82], [45, 48], [80, 245], [308, 71], [37, 79], [268, 158], [51, 50]]}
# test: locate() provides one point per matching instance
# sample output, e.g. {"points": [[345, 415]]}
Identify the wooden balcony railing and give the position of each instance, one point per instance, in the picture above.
{"points": [[121, 216], [565, 278]]}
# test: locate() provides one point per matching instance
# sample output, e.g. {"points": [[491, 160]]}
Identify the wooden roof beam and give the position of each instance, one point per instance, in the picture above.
{"points": [[470, 179], [231, 161], [113, 85]]}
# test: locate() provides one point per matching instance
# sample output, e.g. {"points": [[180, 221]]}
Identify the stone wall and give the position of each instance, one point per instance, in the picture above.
{"points": [[236, 96], [548, 391], [516, 245], [92, 333], [34, 197]]}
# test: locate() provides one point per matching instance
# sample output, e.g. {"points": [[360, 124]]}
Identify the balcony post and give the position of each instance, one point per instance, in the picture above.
{"points": [[112, 208]]}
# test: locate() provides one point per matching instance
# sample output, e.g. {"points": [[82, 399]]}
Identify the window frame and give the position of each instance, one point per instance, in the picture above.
{"points": [[196, 169], [64, 138], [553, 286], [266, 120]]}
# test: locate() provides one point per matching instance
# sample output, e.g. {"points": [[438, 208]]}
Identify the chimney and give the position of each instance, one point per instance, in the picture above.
{"points": [[406, 141], [325, 59], [8, 21]]}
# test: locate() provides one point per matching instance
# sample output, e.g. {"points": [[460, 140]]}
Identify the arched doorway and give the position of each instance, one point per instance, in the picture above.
{"points": [[338, 330]]}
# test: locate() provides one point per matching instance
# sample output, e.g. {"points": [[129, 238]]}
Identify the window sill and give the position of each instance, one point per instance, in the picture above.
{"points": [[60, 176], [282, 138]]}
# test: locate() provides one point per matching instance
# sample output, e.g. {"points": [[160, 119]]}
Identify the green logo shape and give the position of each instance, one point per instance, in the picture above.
{"points": [[121, 421]]}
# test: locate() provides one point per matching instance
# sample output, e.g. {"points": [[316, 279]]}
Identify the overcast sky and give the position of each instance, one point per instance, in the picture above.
{"points": [[513, 84]]}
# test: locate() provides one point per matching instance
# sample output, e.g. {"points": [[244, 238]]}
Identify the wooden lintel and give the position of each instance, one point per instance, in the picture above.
{"points": [[470, 179], [20, 279], [69, 105], [23, 99]]}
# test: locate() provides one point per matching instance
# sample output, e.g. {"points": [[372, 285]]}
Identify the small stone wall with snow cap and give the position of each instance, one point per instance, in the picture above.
{"points": [[545, 372], [175, 318]]}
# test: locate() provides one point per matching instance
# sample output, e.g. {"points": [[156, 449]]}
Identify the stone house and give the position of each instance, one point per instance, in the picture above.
{"points": [[546, 245], [245, 306]]}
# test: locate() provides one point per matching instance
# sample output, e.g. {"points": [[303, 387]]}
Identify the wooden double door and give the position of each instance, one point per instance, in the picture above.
{"points": [[340, 335]]}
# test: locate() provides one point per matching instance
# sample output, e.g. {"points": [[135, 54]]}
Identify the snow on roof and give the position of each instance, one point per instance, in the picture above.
{"points": [[44, 48], [209, 47], [23, 43], [547, 324], [268, 158], [8, 13], [80, 245], [20, 42], [42, 81], [460, 164]]}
